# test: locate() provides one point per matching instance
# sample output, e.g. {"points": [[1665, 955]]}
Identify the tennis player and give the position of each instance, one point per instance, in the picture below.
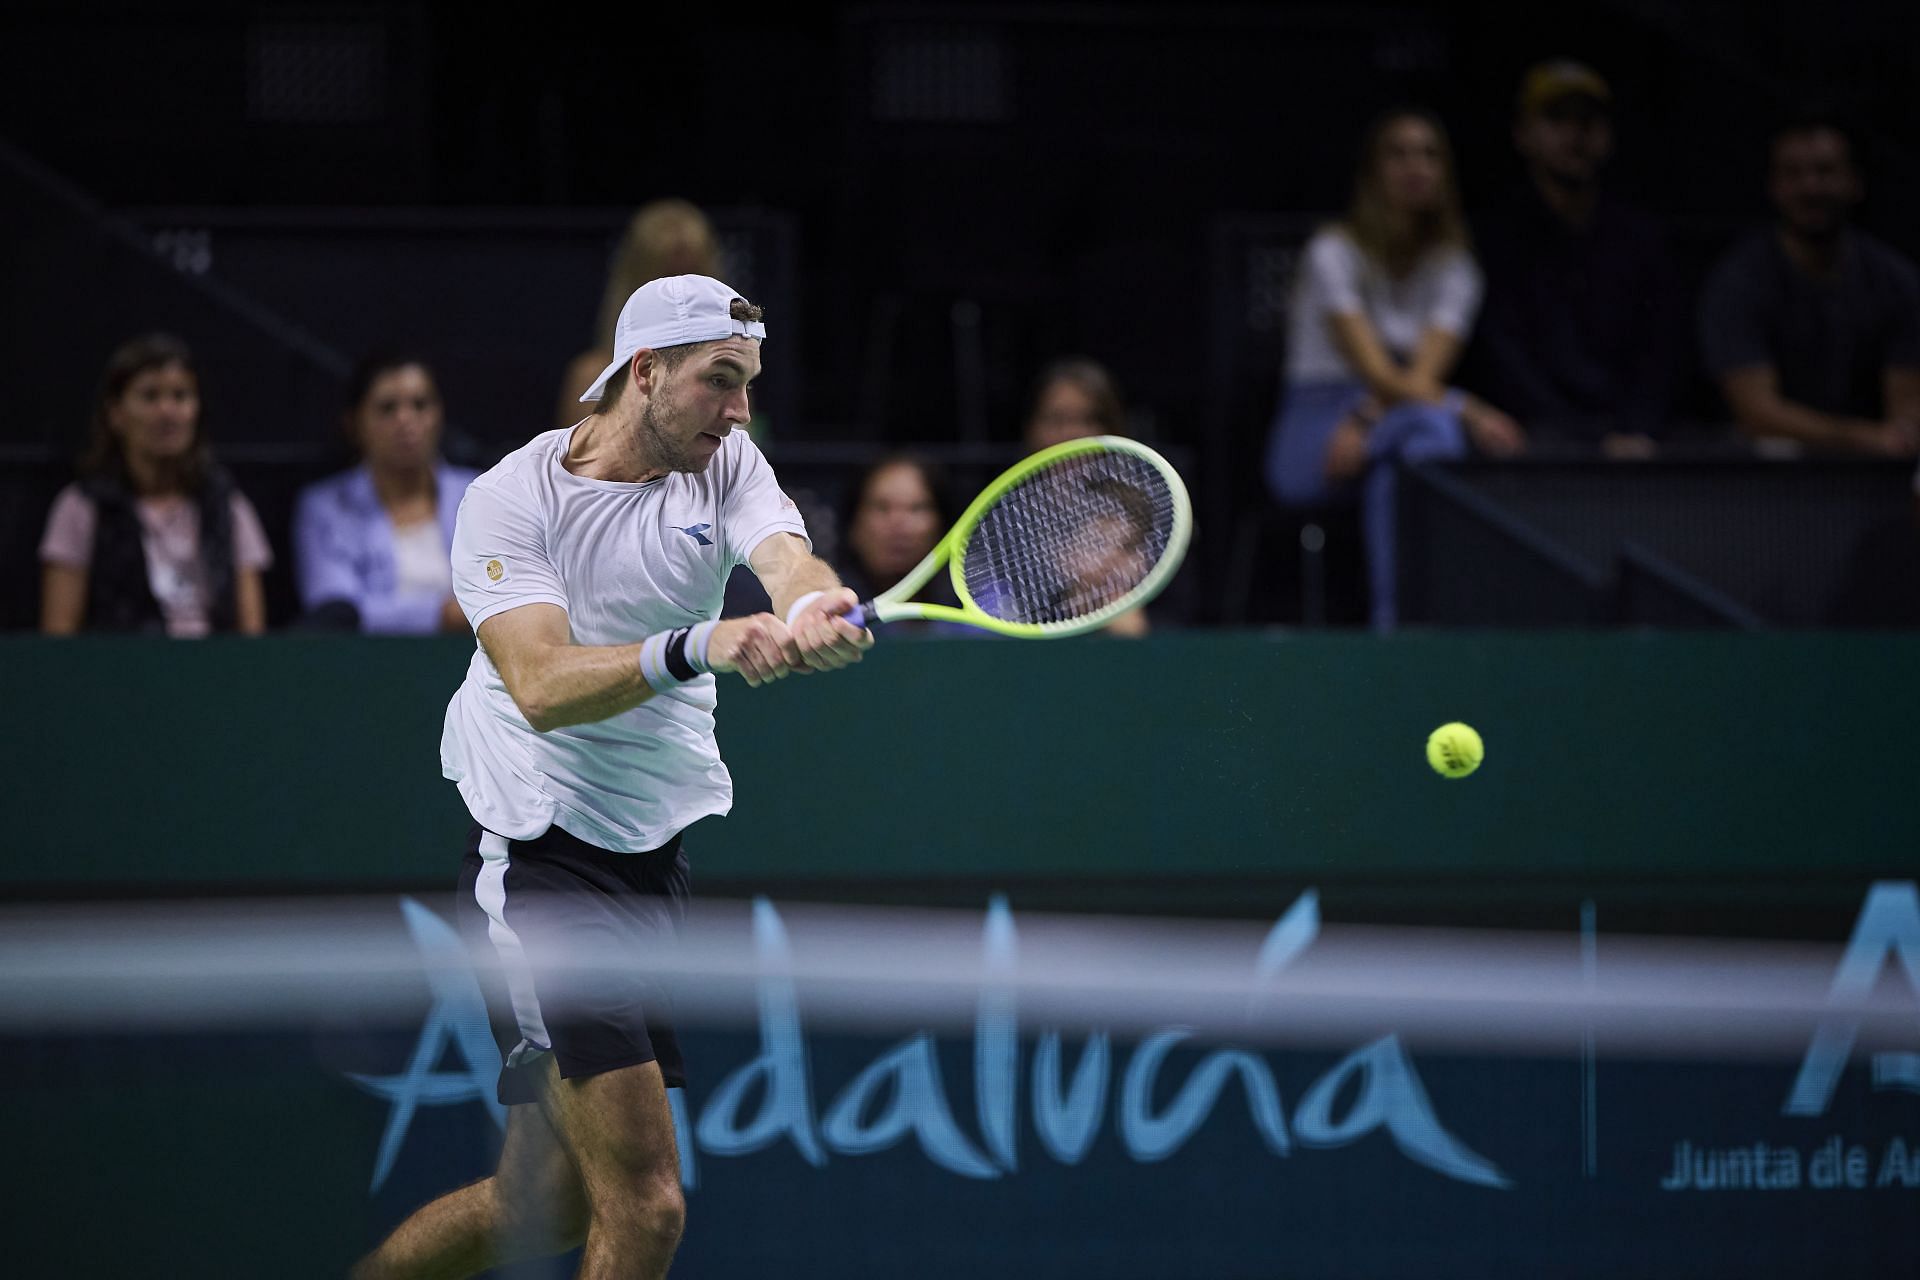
{"points": [[591, 563]]}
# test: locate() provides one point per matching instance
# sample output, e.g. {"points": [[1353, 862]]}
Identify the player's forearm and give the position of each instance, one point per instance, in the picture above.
{"points": [[798, 577], [570, 684]]}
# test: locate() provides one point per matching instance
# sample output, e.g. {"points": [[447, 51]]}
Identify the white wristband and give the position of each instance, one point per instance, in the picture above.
{"points": [[793, 610], [668, 659]]}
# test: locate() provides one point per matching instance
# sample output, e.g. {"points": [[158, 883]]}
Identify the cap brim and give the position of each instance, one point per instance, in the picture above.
{"points": [[599, 386]]}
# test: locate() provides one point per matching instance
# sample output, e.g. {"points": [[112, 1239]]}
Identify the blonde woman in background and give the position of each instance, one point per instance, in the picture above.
{"points": [[1384, 302], [666, 238]]}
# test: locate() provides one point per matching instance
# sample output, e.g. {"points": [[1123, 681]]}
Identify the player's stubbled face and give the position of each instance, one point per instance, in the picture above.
{"points": [[697, 404], [156, 414]]}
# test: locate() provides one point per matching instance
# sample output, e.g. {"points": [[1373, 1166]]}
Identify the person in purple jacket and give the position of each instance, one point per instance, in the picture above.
{"points": [[372, 543]]}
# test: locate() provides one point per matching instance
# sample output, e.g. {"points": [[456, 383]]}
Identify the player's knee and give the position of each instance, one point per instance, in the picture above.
{"points": [[670, 1214], [663, 1208], [651, 1207]]}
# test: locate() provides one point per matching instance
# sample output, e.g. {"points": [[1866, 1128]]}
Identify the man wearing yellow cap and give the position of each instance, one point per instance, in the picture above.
{"points": [[1583, 315]]}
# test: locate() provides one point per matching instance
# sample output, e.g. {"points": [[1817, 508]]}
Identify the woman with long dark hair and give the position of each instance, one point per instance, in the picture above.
{"points": [[153, 536], [894, 514], [373, 543], [1383, 304]]}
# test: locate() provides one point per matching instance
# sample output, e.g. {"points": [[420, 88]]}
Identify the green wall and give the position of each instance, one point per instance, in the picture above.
{"points": [[309, 760]]}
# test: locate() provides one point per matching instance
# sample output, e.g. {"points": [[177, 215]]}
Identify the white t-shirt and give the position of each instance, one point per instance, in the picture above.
{"points": [[624, 560], [1336, 278]]}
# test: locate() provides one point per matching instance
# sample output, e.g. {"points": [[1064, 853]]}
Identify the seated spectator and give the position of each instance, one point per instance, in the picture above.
{"points": [[372, 543], [894, 515], [1812, 327], [1384, 301], [153, 537], [1075, 399], [1583, 317], [665, 238]]}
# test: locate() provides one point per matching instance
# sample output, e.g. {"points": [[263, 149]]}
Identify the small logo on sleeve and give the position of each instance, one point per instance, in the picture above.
{"points": [[495, 571], [698, 532]]}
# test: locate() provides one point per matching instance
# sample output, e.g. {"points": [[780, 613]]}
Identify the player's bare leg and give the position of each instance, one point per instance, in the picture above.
{"points": [[531, 1206], [618, 1127]]}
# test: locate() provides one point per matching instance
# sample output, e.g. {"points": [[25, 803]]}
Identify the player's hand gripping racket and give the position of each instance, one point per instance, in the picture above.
{"points": [[1063, 542]]}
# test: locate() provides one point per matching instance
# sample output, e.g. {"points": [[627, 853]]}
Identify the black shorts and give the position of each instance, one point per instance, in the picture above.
{"points": [[522, 901]]}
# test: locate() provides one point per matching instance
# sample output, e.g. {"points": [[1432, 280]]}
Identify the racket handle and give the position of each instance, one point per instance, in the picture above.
{"points": [[863, 615]]}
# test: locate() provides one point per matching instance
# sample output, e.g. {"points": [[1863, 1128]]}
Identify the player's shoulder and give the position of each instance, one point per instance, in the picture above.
{"points": [[740, 450], [519, 472], [738, 459]]}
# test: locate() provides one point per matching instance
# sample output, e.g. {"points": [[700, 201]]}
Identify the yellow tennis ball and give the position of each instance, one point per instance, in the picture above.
{"points": [[1454, 750]]}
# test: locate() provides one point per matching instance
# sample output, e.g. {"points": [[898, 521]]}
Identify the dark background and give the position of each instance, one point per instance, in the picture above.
{"points": [[1057, 165], [932, 201]]}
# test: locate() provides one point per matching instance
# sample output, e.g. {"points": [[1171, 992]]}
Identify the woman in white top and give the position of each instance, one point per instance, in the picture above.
{"points": [[372, 543], [1383, 304]]}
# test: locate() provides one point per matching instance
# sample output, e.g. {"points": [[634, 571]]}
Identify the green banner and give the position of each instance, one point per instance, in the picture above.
{"points": [[301, 761]]}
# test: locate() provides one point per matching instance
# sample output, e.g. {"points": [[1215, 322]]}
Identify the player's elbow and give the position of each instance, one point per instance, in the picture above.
{"points": [[541, 717], [535, 708]]}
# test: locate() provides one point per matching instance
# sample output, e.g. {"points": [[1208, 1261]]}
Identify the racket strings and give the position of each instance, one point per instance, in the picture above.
{"points": [[1071, 540]]}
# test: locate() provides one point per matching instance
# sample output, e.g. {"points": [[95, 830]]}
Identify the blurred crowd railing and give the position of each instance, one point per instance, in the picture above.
{"points": [[1729, 543], [1721, 542]]}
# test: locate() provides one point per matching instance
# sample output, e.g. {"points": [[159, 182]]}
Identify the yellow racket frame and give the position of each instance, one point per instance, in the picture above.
{"points": [[893, 605]]}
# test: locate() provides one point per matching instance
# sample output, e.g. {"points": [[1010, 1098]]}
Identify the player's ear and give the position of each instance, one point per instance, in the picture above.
{"points": [[640, 370]]}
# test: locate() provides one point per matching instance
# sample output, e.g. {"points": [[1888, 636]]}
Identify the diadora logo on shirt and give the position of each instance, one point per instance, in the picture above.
{"points": [[698, 532]]}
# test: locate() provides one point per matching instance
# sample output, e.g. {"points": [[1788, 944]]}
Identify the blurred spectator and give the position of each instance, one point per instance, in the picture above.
{"points": [[894, 515], [1812, 327], [1384, 300], [1074, 399], [1583, 316], [1880, 584], [154, 536], [371, 543], [665, 238]]}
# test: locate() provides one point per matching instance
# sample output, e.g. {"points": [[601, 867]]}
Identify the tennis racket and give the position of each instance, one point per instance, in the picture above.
{"points": [[1063, 542]]}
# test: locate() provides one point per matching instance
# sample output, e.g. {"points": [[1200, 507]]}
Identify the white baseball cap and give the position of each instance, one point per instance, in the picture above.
{"points": [[670, 312]]}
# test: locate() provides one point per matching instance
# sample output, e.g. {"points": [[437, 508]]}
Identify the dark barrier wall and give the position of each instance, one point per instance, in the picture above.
{"points": [[1540, 542], [315, 761]]}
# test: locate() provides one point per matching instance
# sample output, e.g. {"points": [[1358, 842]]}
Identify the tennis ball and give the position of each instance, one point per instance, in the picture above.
{"points": [[1454, 750]]}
